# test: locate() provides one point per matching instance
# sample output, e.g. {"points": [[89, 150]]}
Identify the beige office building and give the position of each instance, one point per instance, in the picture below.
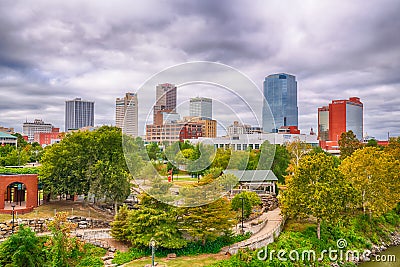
{"points": [[126, 114]]}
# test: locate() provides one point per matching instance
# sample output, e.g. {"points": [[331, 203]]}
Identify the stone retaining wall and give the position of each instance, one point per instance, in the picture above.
{"points": [[40, 225]]}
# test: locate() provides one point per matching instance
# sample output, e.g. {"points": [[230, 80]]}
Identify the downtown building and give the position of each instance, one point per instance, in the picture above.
{"points": [[338, 117], [238, 128], [126, 114], [165, 99], [254, 141], [45, 139], [78, 114], [201, 107], [280, 94], [29, 129], [167, 126]]}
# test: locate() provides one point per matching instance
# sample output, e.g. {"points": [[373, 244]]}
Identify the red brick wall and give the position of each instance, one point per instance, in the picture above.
{"points": [[337, 119], [31, 183]]}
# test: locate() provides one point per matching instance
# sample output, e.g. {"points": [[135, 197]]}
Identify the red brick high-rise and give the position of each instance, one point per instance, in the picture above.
{"points": [[339, 117]]}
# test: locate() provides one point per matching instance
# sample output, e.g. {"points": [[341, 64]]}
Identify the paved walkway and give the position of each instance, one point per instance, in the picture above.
{"points": [[265, 235]]}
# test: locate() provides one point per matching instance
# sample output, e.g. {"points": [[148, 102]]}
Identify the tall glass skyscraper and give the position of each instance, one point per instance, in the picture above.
{"points": [[280, 92]]}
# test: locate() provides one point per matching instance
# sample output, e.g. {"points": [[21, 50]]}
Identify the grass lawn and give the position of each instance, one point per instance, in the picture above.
{"points": [[48, 210], [193, 261], [185, 183]]}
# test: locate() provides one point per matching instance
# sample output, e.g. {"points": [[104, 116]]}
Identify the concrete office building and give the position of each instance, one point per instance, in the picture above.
{"points": [[78, 114], [126, 114], [37, 126]]}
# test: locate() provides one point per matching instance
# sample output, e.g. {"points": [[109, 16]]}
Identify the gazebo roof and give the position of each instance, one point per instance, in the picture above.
{"points": [[253, 175], [6, 135]]}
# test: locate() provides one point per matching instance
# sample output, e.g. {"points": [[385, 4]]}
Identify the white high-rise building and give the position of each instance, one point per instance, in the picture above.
{"points": [[201, 107], [37, 126], [126, 114], [78, 114]]}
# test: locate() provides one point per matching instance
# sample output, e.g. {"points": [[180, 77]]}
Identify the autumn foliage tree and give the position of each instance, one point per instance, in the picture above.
{"points": [[375, 175], [316, 188], [348, 143]]}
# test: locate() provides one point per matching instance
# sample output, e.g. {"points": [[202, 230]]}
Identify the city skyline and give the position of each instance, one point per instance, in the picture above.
{"points": [[52, 52]]}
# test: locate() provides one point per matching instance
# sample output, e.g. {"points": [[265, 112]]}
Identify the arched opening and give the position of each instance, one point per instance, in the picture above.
{"points": [[15, 194]]}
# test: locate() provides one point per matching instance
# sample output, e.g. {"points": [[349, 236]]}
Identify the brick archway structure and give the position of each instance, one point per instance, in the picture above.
{"points": [[31, 183]]}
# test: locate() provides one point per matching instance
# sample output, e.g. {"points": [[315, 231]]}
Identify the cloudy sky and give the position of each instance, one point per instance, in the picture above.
{"points": [[51, 51]]}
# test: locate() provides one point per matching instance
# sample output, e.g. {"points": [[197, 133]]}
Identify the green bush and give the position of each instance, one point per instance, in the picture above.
{"points": [[250, 200], [132, 254], [91, 261], [30, 170]]}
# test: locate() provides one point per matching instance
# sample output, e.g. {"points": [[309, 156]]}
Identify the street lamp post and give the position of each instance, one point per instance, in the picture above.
{"points": [[153, 246], [13, 207], [242, 198]]}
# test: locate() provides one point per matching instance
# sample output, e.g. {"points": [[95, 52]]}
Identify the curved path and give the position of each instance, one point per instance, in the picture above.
{"points": [[270, 230]]}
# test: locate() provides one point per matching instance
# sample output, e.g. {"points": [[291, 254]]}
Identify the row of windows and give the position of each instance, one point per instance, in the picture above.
{"points": [[238, 146]]}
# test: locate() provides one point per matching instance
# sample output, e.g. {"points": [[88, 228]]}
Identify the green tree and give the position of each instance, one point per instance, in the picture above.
{"points": [[372, 142], [147, 173], [374, 174], [281, 163], [201, 159], [112, 183], [20, 140], [207, 222], [63, 249], [393, 148], [250, 200], [119, 227], [22, 249], [297, 149], [17, 157], [239, 160], [222, 157], [348, 143], [318, 189], [266, 157], [93, 162], [153, 151], [157, 220]]}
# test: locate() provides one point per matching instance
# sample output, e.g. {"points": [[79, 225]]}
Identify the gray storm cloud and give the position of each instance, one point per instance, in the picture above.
{"points": [[51, 51]]}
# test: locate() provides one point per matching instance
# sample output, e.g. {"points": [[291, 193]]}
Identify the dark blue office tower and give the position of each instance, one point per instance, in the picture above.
{"points": [[280, 91]]}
